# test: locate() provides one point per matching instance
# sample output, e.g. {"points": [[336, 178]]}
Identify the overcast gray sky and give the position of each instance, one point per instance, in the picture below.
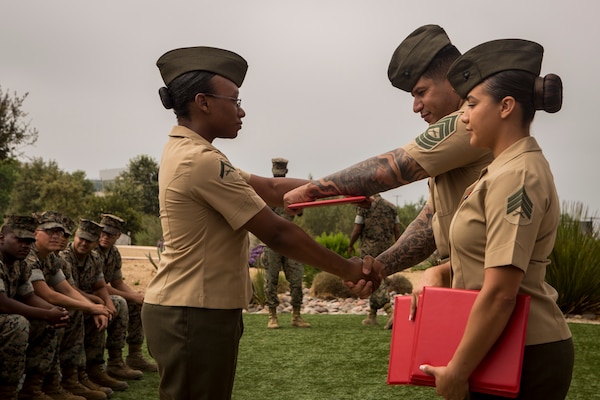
{"points": [[316, 91]]}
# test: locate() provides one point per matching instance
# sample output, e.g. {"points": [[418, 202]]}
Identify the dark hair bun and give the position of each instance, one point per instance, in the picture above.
{"points": [[548, 93], [165, 97]]}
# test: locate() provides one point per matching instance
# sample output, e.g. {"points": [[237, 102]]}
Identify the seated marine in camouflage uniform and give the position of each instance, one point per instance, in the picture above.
{"points": [[111, 231], [28, 334], [86, 268], [52, 284]]}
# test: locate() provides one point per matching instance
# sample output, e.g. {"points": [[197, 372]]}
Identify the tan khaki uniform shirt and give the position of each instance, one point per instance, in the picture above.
{"points": [[509, 217], [204, 202], [444, 151]]}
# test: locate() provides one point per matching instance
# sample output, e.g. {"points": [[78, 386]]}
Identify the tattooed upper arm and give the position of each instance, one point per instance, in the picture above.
{"points": [[377, 174]]}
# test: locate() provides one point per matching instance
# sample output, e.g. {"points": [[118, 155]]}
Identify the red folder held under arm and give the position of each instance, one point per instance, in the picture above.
{"points": [[436, 332]]}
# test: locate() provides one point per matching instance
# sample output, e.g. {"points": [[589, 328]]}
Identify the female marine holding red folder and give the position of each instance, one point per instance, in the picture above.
{"points": [[505, 227]]}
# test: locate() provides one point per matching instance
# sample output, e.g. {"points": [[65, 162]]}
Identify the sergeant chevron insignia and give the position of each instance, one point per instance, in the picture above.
{"points": [[519, 207]]}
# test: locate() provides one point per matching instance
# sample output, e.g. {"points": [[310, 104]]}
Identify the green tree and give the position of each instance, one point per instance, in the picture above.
{"points": [[15, 131], [8, 175], [138, 184], [408, 212], [151, 231], [114, 204], [43, 186], [325, 220]]}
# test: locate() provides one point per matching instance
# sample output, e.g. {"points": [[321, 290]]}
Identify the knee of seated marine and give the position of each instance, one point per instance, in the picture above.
{"points": [[16, 327]]}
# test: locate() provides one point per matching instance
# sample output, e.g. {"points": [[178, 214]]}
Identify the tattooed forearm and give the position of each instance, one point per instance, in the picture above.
{"points": [[414, 245], [374, 175]]}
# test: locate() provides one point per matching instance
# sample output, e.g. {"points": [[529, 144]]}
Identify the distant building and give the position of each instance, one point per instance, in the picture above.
{"points": [[110, 174], [124, 239], [107, 176]]}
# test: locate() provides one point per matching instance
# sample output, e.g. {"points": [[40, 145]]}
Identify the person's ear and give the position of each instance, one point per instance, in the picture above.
{"points": [[201, 101], [507, 106]]}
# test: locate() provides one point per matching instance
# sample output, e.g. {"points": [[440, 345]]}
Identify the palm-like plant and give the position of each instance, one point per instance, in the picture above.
{"points": [[575, 261]]}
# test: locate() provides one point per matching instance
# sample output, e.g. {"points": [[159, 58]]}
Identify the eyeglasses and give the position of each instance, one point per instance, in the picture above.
{"points": [[53, 231], [238, 102]]}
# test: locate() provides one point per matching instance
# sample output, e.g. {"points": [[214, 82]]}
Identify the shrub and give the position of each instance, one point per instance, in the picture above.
{"points": [[255, 254], [574, 269], [159, 249], [398, 284], [337, 243], [150, 232], [257, 276], [329, 286]]}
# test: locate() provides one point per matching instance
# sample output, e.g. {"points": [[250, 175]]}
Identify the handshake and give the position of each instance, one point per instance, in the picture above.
{"points": [[364, 276]]}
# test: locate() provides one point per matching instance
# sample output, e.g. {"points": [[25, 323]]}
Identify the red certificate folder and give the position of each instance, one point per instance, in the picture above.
{"points": [[329, 202], [436, 332]]}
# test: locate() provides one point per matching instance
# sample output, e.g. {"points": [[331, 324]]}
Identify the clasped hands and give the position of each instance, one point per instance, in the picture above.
{"points": [[366, 279]]}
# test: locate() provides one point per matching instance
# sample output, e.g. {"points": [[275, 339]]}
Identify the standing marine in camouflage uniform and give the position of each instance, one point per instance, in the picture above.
{"points": [[112, 228], [28, 339], [50, 283], [86, 268], [275, 262], [378, 228]]}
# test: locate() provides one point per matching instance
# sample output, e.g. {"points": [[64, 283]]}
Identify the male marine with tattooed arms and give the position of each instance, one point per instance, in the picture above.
{"points": [[443, 153]]}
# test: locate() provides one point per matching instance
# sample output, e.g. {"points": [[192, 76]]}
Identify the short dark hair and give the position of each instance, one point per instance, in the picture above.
{"points": [[439, 66]]}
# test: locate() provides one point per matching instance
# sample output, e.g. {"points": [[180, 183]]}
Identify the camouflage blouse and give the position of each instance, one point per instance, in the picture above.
{"points": [[85, 273], [14, 279], [50, 269], [112, 263]]}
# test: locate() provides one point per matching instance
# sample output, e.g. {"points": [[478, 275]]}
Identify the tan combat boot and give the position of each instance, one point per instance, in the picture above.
{"points": [[136, 360], [273, 323], [390, 313], [70, 382], [84, 379], [297, 320], [32, 388], [100, 377], [117, 368], [8, 392], [53, 388], [371, 319]]}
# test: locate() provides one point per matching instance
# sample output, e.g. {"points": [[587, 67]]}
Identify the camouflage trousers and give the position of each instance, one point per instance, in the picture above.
{"points": [[70, 352], [135, 332], [293, 270], [71, 347], [380, 297], [114, 338], [43, 345], [14, 335]]}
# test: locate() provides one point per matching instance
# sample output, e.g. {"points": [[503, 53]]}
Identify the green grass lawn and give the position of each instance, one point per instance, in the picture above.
{"points": [[340, 359]]}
